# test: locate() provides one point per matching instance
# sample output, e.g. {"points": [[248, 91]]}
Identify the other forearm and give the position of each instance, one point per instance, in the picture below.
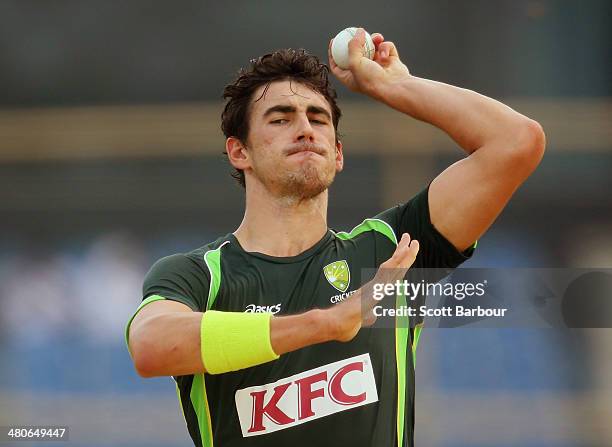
{"points": [[169, 344], [298, 331], [472, 120]]}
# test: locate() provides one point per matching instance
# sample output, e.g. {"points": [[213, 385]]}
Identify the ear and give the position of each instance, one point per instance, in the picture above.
{"points": [[237, 153], [339, 156]]}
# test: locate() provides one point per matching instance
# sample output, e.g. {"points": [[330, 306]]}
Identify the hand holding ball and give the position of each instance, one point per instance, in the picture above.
{"points": [[340, 50], [374, 76]]}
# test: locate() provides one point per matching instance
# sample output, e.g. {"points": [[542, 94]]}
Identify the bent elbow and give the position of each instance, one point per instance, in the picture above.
{"points": [[145, 365], [144, 360], [536, 139], [144, 368], [531, 143]]}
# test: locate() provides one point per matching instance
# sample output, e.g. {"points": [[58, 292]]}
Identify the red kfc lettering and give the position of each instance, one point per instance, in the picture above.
{"points": [[274, 413], [307, 394], [335, 385]]}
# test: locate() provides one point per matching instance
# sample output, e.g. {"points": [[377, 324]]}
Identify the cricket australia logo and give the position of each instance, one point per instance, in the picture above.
{"points": [[338, 275]]}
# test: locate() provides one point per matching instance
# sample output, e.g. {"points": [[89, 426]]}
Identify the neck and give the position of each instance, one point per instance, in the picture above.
{"points": [[281, 226]]}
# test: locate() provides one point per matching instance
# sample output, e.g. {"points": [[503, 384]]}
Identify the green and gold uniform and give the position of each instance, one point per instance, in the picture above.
{"points": [[357, 394]]}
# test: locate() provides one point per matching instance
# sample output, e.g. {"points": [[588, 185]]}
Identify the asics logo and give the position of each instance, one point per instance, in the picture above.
{"points": [[253, 308]]}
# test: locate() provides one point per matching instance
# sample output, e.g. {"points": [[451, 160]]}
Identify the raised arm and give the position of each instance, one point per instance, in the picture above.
{"points": [[503, 146]]}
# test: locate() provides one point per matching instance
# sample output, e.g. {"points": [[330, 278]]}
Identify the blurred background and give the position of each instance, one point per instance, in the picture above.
{"points": [[111, 157]]}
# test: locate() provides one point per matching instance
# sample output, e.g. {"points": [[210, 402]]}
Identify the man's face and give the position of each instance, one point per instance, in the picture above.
{"points": [[291, 146]]}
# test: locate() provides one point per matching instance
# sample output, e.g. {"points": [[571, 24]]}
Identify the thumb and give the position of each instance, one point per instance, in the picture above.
{"points": [[355, 47]]}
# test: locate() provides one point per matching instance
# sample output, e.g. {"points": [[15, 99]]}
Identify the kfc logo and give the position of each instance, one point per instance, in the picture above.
{"points": [[304, 397]]}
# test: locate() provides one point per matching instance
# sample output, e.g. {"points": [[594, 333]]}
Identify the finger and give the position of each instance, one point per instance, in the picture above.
{"points": [[410, 255], [387, 49], [377, 38], [406, 255], [355, 47], [400, 252], [396, 267]]}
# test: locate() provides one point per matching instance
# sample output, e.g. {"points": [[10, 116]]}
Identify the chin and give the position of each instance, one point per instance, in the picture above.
{"points": [[307, 183]]}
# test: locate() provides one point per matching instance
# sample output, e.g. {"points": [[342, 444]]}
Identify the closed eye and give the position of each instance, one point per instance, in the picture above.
{"points": [[283, 121]]}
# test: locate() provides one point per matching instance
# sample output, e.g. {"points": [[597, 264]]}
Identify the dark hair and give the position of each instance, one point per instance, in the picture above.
{"points": [[280, 65]]}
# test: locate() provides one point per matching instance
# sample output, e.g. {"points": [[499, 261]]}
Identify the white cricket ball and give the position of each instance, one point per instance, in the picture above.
{"points": [[339, 48]]}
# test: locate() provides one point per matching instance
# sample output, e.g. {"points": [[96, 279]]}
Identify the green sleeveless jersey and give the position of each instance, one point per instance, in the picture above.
{"points": [[357, 394]]}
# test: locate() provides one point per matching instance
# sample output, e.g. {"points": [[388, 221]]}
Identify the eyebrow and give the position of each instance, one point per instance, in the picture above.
{"points": [[290, 109]]}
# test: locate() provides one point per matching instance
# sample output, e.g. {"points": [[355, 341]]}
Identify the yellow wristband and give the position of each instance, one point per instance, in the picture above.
{"points": [[234, 340]]}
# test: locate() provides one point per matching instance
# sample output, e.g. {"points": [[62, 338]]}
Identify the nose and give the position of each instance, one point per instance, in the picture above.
{"points": [[305, 131]]}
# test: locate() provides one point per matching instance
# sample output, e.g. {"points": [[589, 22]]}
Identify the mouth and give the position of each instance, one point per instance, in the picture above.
{"points": [[306, 150]]}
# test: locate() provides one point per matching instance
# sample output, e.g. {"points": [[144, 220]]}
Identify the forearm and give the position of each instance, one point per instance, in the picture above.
{"points": [[298, 331], [169, 344], [472, 120]]}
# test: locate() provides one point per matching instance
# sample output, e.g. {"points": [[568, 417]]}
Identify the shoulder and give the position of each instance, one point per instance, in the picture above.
{"points": [[411, 215], [185, 277], [188, 265], [196, 256], [177, 261]]}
